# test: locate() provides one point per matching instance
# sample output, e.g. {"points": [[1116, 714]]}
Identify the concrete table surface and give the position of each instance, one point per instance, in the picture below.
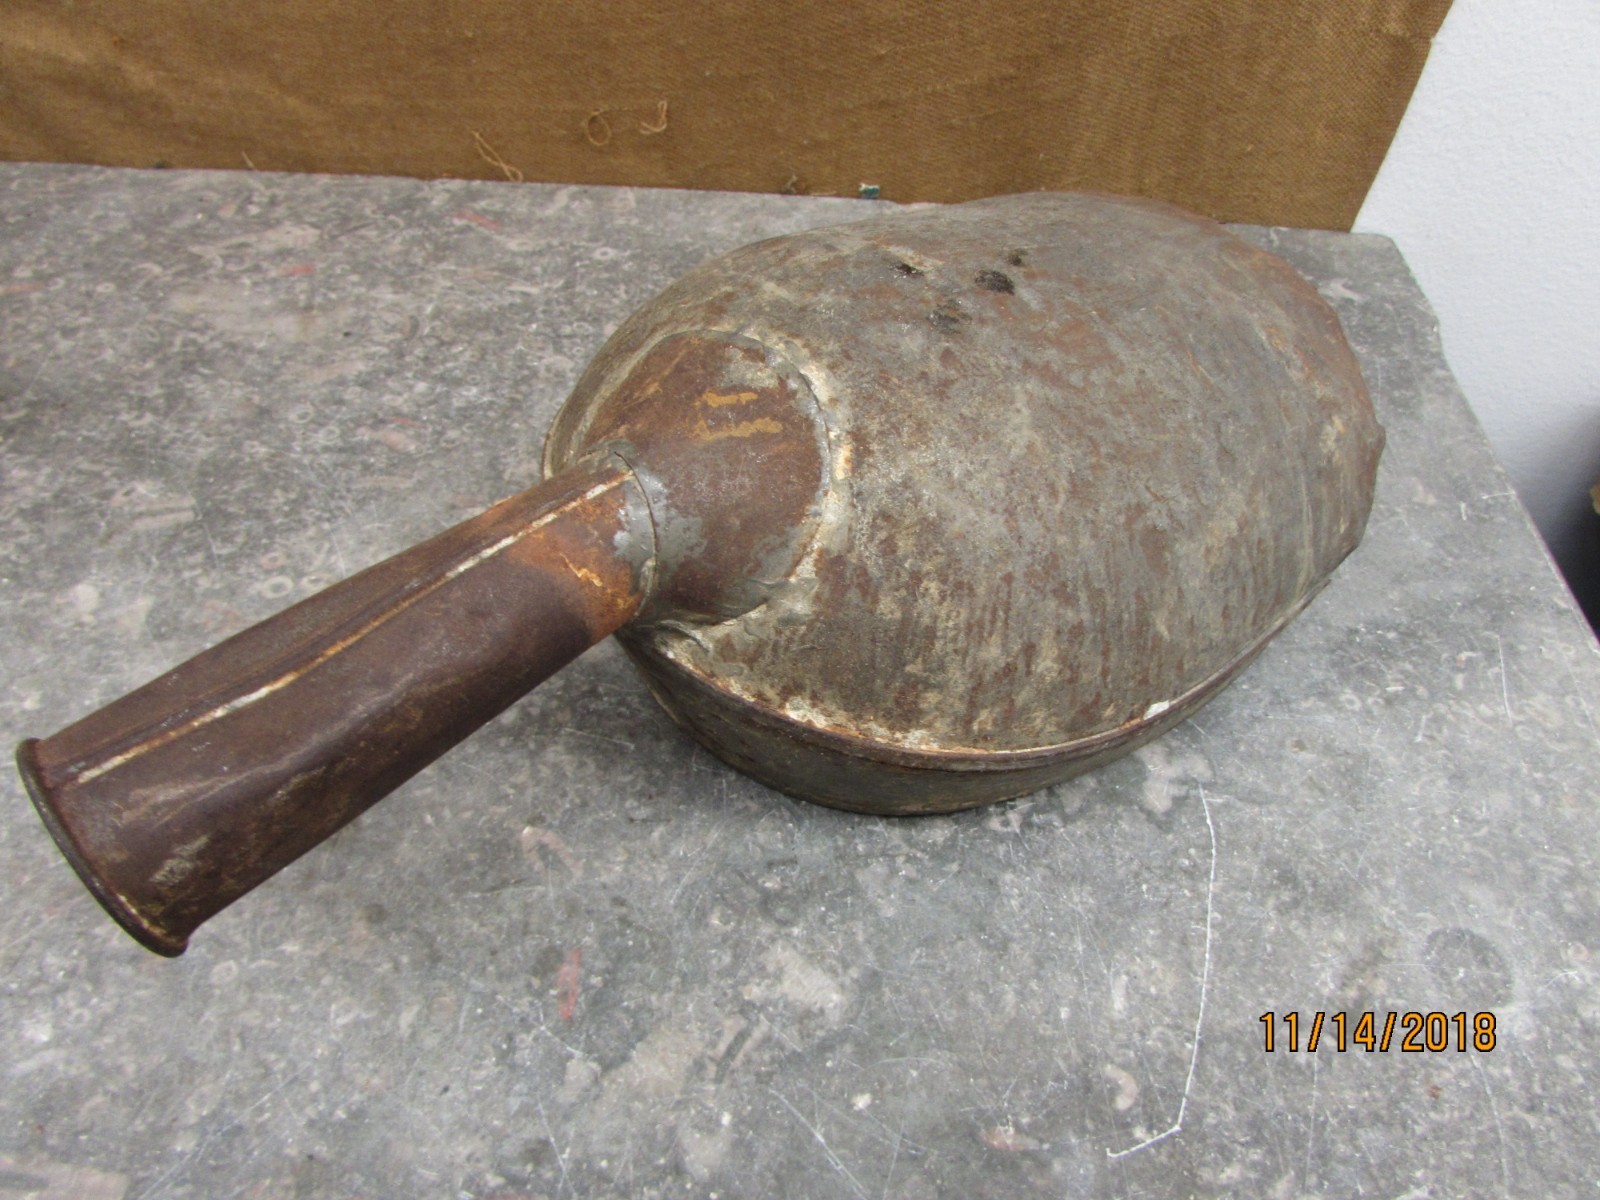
{"points": [[579, 957]]}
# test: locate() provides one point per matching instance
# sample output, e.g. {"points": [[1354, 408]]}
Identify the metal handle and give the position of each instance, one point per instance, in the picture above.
{"points": [[175, 800]]}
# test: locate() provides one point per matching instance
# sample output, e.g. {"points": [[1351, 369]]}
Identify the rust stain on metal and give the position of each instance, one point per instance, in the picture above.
{"points": [[718, 399], [741, 429], [730, 526]]}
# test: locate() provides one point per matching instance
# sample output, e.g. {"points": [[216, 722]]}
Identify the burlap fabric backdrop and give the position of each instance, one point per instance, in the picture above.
{"points": [[1277, 111]]}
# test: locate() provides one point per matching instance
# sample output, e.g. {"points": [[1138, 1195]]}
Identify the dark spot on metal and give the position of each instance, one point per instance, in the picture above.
{"points": [[995, 281], [904, 268], [1017, 258]]}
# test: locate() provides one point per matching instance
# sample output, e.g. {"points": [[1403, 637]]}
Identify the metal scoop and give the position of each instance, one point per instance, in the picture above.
{"points": [[901, 516]]}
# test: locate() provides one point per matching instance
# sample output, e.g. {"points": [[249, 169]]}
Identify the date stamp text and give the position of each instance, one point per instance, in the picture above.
{"points": [[1378, 1033]]}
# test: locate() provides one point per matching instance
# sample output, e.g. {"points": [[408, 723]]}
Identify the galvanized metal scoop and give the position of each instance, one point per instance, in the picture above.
{"points": [[902, 516]]}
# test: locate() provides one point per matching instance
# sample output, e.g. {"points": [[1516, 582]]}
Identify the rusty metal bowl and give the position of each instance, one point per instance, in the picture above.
{"points": [[901, 516], [1084, 457]]}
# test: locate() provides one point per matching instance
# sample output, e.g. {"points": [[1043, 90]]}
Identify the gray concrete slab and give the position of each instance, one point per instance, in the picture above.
{"points": [[578, 957]]}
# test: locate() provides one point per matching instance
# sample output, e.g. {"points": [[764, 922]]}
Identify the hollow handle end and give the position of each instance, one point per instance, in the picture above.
{"points": [[45, 797]]}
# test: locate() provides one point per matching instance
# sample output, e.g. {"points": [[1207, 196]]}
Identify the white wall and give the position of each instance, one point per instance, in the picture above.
{"points": [[1492, 191]]}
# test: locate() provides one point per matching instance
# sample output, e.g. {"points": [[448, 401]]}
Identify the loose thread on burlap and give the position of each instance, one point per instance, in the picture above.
{"points": [[596, 129], [660, 125], [492, 156]]}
